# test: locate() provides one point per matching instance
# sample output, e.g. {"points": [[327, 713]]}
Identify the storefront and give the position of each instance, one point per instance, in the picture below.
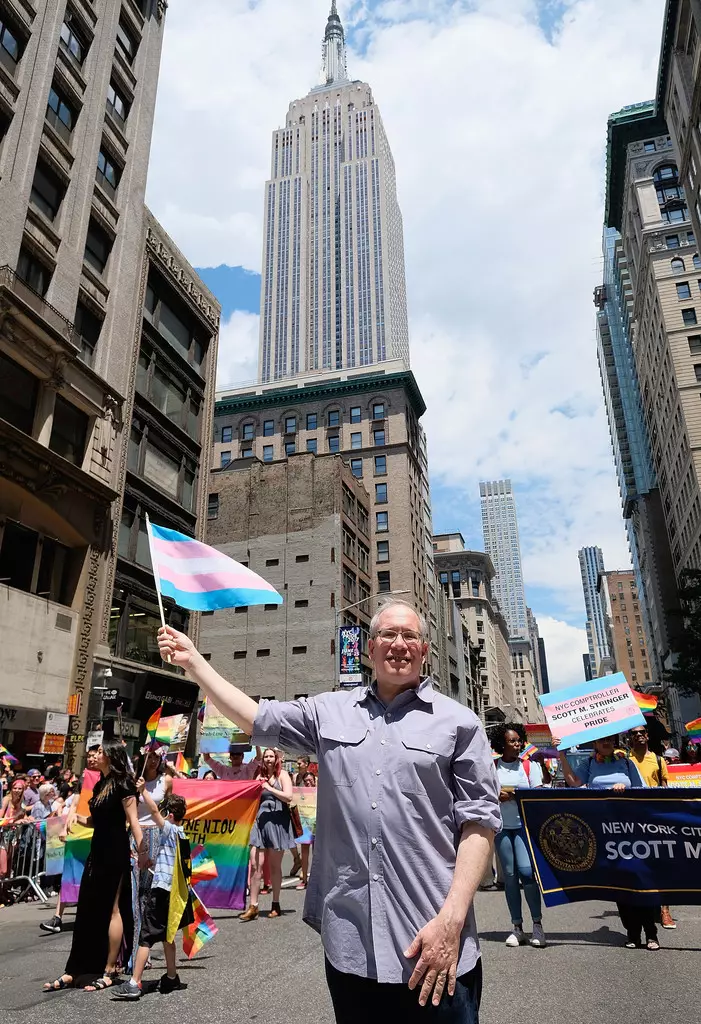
{"points": [[22, 732]]}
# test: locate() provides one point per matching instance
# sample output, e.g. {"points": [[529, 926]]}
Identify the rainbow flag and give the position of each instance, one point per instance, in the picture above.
{"points": [[694, 728], [203, 867], [78, 842], [202, 930], [201, 578], [221, 814], [5, 755], [182, 765], [152, 724], [529, 750], [645, 701]]}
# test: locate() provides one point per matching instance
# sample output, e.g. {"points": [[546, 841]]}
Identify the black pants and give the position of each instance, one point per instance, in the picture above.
{"points": [[636, 919], [366, 1000]]}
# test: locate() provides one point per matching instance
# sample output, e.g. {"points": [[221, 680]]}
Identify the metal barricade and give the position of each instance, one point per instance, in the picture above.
{"points": [[22, 855]]}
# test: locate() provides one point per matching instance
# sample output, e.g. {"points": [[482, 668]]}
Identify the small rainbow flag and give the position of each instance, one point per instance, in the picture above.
{"points": [[203, 867], [181, 764], [201, 578], [694, 728], [203, 708], [152, 724], [201, 931], [5, 755], [529, 750], [645, 701]]}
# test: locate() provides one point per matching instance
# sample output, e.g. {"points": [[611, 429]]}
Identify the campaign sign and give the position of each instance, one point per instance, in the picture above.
{"points": [[640, 845], [587, 711]]}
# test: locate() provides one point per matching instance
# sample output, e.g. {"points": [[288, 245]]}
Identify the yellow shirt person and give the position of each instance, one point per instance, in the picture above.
{"points": [[652, 768]]}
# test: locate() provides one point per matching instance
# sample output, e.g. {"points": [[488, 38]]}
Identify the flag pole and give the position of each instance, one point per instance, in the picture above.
{"points": [[156, 577]]}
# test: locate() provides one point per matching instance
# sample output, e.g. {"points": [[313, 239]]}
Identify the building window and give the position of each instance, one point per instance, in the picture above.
{"points": [[98, 246], [356, 440], [650, 146], [213, 506], [126, 43], [380, 465], [381, 522], [694, 343], [311, 421], [697, 371], [271, 561], [672, 241], [356, 414], [356, 466], [683, 290], [117, 106], [302, 558], [108, 172], [11, 44], [383, 582], [171, 320], [290, 424], [18, 394], [312, 445], [301, 604], [677, 265], [247, 432], [334, 442], [689, 317], [268, 428], [267, 453], [69, 431], [88, 326], [60, 113], [381, 494], [227, 434], [378, 411], [33, 272], [383, 551], [241, 609], [224, 459], [675, 215], [263, 652], [239, 655], [333, 418], [270, 607], [378, 438], [72, 41], [47, 191], [247, 452], [34, 563], [299, 650], [290, 448], [697, 261]]}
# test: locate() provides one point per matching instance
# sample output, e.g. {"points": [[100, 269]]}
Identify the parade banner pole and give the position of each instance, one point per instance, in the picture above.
{"points": [[154, 567]]}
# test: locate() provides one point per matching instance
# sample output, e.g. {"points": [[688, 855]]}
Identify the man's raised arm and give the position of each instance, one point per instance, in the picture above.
{"points": [[230, 701]]}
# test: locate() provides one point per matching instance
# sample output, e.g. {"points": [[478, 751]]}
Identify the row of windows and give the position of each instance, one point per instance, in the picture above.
{"points": [[333, 419], [333, 446]]}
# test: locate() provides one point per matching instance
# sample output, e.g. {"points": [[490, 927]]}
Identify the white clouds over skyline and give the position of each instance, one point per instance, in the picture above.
{"points": [[498, 131]]}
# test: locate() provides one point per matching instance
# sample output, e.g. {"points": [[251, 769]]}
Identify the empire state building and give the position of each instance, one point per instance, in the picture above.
{"points": [[333, 290]]}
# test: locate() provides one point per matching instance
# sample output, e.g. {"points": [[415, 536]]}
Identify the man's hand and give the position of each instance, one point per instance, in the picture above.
{"points": [[140, 785], [176, 647], [620, 787], [506, 794], [438, 946]]}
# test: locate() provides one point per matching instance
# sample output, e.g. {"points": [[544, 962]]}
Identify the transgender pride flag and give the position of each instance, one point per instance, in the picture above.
{"points": [[201, 578]]}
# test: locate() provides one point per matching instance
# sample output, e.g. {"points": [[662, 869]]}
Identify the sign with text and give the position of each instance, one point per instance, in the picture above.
{"points": [[56, 723], [350, 671], [684, 776], [218, 733], [539, 735], [588, 711], [641, 845], [305, 799], [52, 743]]}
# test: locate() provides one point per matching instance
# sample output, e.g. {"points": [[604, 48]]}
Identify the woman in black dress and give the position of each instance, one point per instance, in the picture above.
{"points": [[104, 920]]}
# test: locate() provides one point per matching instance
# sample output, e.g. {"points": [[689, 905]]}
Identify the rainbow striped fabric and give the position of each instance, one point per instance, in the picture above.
{"points": [[78, 843], [5, 755], [221, 815], [694, 728], [529, 750], [202, 930], [201, 578], [645, 701]]}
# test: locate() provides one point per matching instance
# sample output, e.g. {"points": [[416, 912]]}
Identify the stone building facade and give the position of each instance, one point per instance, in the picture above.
{"points": [[627, 642]]}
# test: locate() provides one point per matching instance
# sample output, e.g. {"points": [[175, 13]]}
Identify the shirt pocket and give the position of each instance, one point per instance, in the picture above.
{"points": [[340, 750], [424, 763]]}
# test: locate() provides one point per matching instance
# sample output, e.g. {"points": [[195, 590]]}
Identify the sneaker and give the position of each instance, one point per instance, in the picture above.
{"points": [[127, 990], [55, 925], [168, 985], [517, 937], [538, 936], [666, 918]]}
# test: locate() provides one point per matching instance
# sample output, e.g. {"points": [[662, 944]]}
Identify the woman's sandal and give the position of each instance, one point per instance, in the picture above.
{"points": [[302, 885], [653, 945], [106, 981], [632, 945], [59, 984]]}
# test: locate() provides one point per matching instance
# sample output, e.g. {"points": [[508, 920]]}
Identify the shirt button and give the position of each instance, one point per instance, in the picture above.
{"points": [[374, 841], [428, 745], [375, 878], [341, 737], [383, 742], [378, 772], [373, 806], [388, 718]]}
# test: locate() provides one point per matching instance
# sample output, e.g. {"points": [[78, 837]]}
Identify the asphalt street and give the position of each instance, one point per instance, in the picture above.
{"points": [[271, 971]]}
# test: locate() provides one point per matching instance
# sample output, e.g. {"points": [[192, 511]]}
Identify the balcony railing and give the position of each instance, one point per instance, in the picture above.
{"points": [[44, 309]]}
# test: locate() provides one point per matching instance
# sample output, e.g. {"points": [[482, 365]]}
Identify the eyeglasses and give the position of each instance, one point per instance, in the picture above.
{"points": [[638, 732], [409, 636]]}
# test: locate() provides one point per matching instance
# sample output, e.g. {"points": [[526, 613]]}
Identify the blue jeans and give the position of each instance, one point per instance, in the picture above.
{"points": [[516, 863]]}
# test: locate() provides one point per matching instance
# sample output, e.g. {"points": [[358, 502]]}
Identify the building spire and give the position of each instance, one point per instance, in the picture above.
{"points": [[334, 49]]}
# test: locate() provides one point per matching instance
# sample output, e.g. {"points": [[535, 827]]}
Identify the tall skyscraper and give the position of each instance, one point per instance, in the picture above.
{"points": [[591, 563], [538, 660], [333, 290], [501, 542]]}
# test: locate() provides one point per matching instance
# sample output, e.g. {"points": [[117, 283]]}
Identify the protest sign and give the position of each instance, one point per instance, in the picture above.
{"points": [[55, 847], [220, 816], [684, 776], [539, 735], [305, 799], [588, 711], [218, 733], [602, 845]]}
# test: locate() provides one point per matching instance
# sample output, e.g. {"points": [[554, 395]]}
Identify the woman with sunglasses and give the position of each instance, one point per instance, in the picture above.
{"points": [[606, 769]]}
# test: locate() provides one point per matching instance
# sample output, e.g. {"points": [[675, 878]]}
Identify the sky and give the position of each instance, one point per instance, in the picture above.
{"points": [[496, 114]]}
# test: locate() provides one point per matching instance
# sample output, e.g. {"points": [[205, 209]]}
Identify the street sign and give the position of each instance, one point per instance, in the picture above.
{"points": [[76, 737], [110, 694]]}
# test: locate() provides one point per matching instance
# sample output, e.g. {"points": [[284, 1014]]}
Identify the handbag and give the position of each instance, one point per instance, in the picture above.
{"points": [[297, 829]]}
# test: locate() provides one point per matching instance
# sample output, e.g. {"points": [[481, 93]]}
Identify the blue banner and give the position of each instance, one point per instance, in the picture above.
{"points": [[640, 846]]}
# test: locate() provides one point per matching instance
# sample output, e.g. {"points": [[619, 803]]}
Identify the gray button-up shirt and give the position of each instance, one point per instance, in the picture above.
{"points": [[396, 785]]}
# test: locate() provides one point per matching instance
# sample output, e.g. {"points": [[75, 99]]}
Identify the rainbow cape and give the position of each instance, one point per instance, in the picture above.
{"points": [[694, 728], [645, 701], [201, 578], [221, 814]]}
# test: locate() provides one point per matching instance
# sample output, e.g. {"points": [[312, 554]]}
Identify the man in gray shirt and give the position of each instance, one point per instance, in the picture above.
{"points": [[407, 808]]}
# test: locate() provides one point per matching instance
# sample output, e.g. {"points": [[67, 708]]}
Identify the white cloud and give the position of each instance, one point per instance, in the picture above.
{"points": [[498, 137], [237, 360], [564, 647]]}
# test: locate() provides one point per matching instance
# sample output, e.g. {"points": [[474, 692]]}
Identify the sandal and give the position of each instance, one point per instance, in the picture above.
{"points": [[59, 984], [302, 885], [106, 981], [632, 945], [652, 944]]}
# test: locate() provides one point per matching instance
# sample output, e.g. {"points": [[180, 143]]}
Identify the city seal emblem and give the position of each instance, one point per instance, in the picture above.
{"points": [[567, 842]]}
